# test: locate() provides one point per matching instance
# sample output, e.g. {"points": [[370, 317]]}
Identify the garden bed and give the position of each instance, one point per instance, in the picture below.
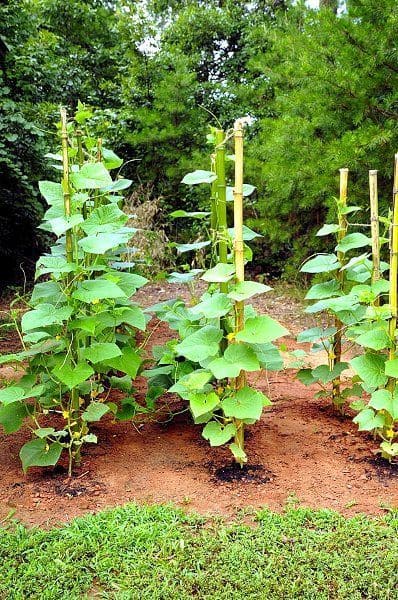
{"points": [[300, 449]]}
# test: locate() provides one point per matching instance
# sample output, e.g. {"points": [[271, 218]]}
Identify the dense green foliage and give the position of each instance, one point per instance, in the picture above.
{"points": [[160, 553], [320, 86]]}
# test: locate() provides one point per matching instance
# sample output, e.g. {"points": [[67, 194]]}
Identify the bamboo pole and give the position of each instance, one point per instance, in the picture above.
{"points": [[374, 223], [221, 203], [240, 381], [342, 232], [392, 326]]}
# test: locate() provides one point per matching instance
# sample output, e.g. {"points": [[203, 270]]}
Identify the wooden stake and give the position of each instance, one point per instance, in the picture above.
{"points": [[394, 270], [240, 381], [374, 222], [65, 182], [221, 202]]}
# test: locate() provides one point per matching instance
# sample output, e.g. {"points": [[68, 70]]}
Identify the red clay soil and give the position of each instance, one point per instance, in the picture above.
{"points": [[299, 449]]}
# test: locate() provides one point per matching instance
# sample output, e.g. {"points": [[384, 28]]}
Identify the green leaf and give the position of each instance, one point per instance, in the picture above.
{"points": [[54, 264], [221, 273], [45, 315], [101, 243], [110, 159], [261, 330], [389, 449], [199, 176], [129, 362], [214, 306], [181, 248], [218, 434], [367, 420], [323, 263], [328, 229], [117, 186], [60, 225], [268, 356], [316, 333], [91, 176], [248, 234], [95, 411], [306, 377], [73, 375], [352, 241], [178, 214], [376, 339], [324, 374], [200, 403], [370, 368], [223, 369], [100, 351], [320, 291], [128, 282], [124, 384], [243, 356], [245, 404], [43, 432], [97, 289], [391, 367], [105, 219], [247, 289], [12, 416], [247, 191], [184, 277], [193, 382], [131, 315], [11, 394], [37, 453], [201, 345], [52, 192], [347, 210], [239, 454], [385, 400]]}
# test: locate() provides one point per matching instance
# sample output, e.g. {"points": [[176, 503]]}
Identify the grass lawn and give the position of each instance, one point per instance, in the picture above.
{"points": [[158, 552]]}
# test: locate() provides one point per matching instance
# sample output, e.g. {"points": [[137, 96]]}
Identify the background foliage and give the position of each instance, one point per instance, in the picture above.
{"points": [[320, 88]]}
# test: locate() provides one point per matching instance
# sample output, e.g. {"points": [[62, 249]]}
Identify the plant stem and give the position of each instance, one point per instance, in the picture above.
{"points": [[240, 381], [343, 226], [374, 223], [221, 202], [392, 326]]}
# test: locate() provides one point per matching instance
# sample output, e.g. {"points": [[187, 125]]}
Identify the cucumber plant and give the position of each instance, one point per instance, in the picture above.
{"points": [[219, 338], [344, 301], [377, 368], [78, 335]]}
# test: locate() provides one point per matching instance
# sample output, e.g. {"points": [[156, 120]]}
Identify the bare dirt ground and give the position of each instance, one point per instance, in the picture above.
{"points": [[299, 449]]}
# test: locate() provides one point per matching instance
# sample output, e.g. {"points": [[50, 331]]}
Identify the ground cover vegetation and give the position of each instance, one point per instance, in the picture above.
{"points": [[319, 86], [158, 552]]}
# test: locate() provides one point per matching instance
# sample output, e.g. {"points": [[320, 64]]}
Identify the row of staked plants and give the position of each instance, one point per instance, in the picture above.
{"points": [[79, 334], [219, 337], [355, 300]]}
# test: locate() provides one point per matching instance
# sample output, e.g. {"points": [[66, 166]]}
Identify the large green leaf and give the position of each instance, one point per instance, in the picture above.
{"points": [[261, 330], [391, 368], [376, 339], [247, 289], [91, 176], [370, 368], [316, 333], [247, 191], [52, 192], [95, 411], [323, 263], [100, 351], [184, 277], [222, 272], [192, 382], [60, 225], [128, 363], [268, 356], [11, 394], [181, 248], [385, 400], [352, 241], [128, 282], [218, 434], [110, 159], [223, 369], [12, 416], [213, 306], [49, 292], [57, 265], [38, 453], [320, 291], [73, 375], [328, 229], [178, 214], [97, 289], [367, 420], [324, 374], [45, 315], [245, 404], [199, 176], [243, 356], [201, 403], [131, 315], [101, 243], [201, 345], [248, 234], [105, 219]]}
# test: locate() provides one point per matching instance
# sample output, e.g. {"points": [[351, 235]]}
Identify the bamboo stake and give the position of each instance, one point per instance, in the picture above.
{"points": [[374, 222], [343, 226], [221, 203], [240, 381], [392, 326]]}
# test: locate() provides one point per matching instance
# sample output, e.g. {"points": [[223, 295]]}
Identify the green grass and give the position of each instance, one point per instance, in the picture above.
{"points": [[160, 553]]}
